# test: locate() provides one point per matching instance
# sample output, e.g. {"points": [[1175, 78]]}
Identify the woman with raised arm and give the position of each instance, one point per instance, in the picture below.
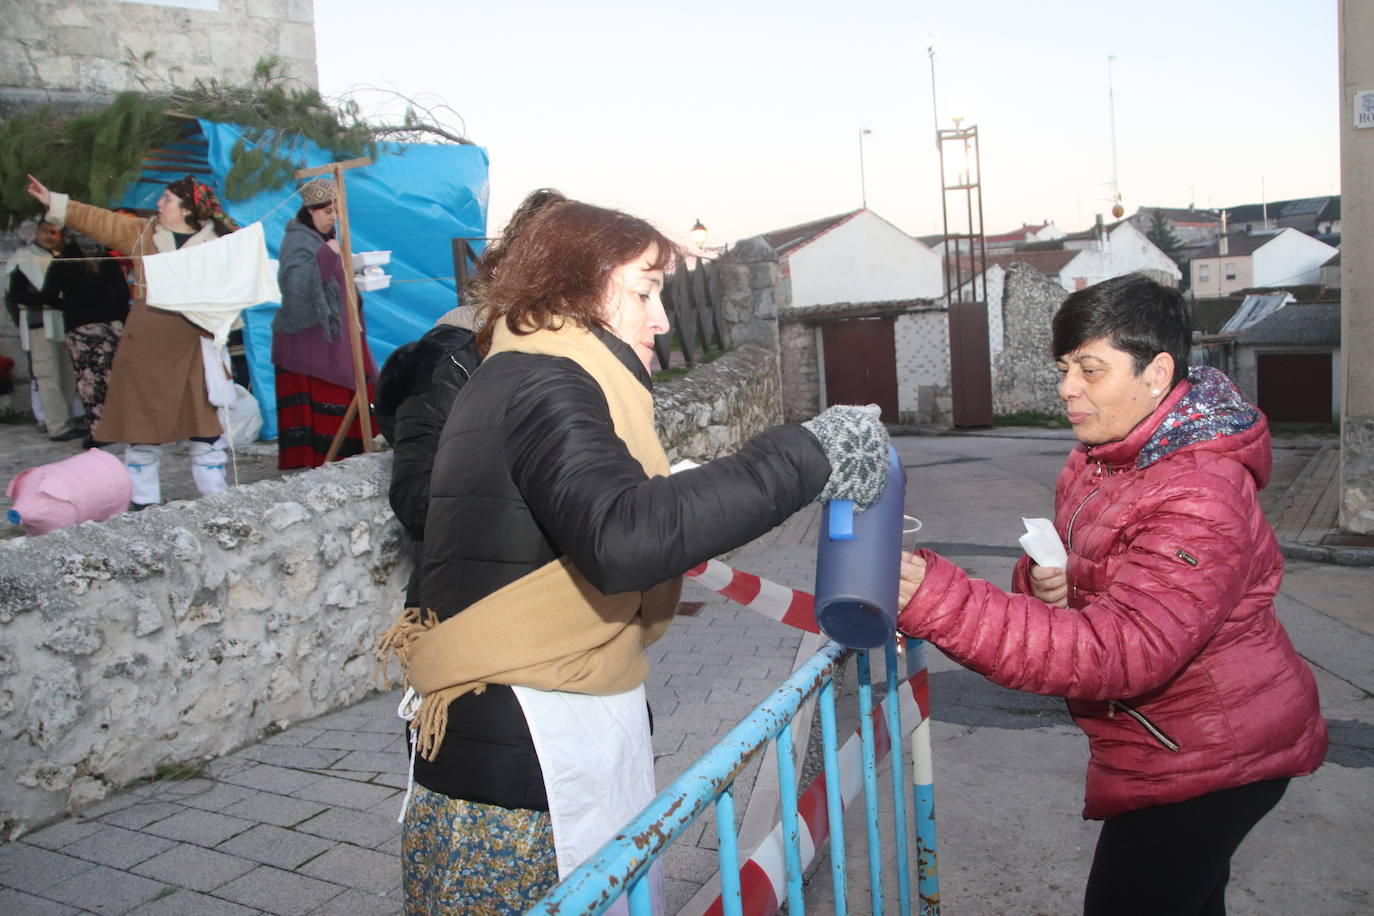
{"points": [[554, 547], [157, 389]]}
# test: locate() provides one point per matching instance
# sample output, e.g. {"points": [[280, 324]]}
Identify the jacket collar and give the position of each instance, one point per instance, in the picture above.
{"points": [[1123, 452], [626, 355], [164, 241]]}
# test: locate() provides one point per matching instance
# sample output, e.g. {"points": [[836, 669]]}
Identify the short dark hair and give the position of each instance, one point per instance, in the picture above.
{"points": [[558, 266], [1135, 314]]}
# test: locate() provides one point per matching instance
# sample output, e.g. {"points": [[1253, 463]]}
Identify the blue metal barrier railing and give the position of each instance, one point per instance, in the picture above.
{"points": [[774, 872]]}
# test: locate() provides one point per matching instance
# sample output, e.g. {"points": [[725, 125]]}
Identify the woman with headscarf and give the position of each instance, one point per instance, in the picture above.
{"points": [[157, 390], [311, 345]]}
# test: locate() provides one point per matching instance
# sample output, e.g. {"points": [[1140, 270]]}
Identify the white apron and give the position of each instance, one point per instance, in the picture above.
{"points": [[598, 765]]}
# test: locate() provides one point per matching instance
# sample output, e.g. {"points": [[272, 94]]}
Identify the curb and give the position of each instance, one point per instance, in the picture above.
{"points": [[1339, 556]]}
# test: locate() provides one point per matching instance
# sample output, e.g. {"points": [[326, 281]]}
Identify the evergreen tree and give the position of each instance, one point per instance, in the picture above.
{"points": [[1163, 236]]}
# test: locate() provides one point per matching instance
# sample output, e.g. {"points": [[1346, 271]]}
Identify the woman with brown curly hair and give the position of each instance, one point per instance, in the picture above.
{"points": [[554, 548], [157, 391]]}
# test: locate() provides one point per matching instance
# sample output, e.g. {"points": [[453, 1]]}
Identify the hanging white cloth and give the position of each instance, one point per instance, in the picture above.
{"points": [[598, 764], [212, 283]]}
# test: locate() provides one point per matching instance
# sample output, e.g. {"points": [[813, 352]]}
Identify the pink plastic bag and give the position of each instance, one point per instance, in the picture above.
{"points": [[92, 485]]}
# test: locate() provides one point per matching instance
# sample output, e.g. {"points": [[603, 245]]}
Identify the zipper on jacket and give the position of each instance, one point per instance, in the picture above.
{"points": [[1154, 730], [461, 368], [1073, 518]]}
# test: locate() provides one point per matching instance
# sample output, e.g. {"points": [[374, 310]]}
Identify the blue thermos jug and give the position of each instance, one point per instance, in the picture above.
{"points": [[858, 558]]}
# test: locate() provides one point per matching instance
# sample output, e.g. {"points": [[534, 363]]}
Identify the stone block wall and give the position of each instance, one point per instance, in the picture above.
{"points": [[1023, 376], [83, 51], [752, 290], [711, 411], [801, 373], [180, 633], [924, 397]]}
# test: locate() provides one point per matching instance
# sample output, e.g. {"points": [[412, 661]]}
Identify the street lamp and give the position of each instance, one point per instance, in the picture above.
{"points": [[934, 109], [698, 234], [863, 187]]}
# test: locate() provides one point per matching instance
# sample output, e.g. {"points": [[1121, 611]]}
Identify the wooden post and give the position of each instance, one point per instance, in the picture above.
{"points": [[360, 404]]}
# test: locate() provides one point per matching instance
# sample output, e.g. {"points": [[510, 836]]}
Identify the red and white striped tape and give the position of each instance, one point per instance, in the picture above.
{"points": [[791, 606], [763, 881]]}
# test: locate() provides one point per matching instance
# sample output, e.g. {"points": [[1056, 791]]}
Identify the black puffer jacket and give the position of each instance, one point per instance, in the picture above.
{"points": [[528, 469], [415, 390]]}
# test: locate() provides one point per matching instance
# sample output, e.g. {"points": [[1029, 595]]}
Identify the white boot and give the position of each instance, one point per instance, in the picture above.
{"points": [[142, 462], [207, 466]]}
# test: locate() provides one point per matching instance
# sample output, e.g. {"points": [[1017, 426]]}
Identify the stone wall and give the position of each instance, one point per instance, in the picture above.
{"points": [[924, 397], [801, 370], [1023, 376], [711, 411], [752, 289], [180, 633], [75, 52]]}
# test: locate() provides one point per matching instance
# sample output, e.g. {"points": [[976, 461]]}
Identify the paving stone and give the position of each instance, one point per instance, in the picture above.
{"points": [[295, 736], [225, 767], [118, 847], [279, 810], [279, 892], [391, 847], [363, 903], [18, 903], [305, 758], [388, 807], [345, 792], [271, 779], [195, 868], [204, 828], [64, 832], [220, 797], [351, 775], [349, 826], [189, 903], [358, 740], [136, 817], [353, 866], [30, 868], [375, 761], [104, 890], [110, 805], [176, 789], [393, 779], [275, 846]]}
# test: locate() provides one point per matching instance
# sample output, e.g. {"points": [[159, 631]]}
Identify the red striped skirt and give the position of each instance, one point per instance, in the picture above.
{"points": [[309, 413]]}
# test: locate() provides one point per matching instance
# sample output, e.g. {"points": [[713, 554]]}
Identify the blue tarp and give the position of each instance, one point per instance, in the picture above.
{"points": [[412, 201]]}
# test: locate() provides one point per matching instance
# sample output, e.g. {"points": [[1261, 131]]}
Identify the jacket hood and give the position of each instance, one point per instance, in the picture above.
{"points": [[1206, 411]]}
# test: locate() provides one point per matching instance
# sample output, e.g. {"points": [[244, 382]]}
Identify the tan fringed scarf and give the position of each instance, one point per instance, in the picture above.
{"points": [[550, 629]]}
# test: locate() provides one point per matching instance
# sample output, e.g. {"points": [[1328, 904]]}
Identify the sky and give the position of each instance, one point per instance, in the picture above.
{"points": [[748, 116]]}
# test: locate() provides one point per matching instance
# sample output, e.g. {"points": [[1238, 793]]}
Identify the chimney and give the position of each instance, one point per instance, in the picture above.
{"points": [[1223, 244], [1101, 233]]}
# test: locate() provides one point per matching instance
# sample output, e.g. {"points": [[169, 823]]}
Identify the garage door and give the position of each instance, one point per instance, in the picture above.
{"points": [[1294, 387]]}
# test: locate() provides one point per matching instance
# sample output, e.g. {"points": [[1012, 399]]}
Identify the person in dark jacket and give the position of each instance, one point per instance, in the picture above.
{"points": [[1161, 632], [554, 547], [415, 390], [420, 379], [93, 296], [49, 365]]}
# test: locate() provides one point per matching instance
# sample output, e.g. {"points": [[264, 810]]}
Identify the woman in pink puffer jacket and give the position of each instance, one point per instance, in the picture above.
{"points": [[1161, 633]]}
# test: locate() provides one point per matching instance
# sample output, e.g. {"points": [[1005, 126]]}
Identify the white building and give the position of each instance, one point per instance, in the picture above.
{"points": [[855, 257], [1260, 260]]}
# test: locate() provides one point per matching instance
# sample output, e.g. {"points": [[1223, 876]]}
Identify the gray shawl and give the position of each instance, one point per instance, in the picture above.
{"points": [[306, 299]]}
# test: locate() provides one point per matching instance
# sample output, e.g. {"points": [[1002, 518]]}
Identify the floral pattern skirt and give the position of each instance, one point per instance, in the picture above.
{"points": [[92, 348], [459, 858]]}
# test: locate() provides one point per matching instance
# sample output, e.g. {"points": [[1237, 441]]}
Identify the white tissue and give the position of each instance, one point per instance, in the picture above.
{"points": [[1041, 542]]}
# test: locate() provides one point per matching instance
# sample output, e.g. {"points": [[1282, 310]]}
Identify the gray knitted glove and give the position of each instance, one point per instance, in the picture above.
{"points": [[855, 441]]}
